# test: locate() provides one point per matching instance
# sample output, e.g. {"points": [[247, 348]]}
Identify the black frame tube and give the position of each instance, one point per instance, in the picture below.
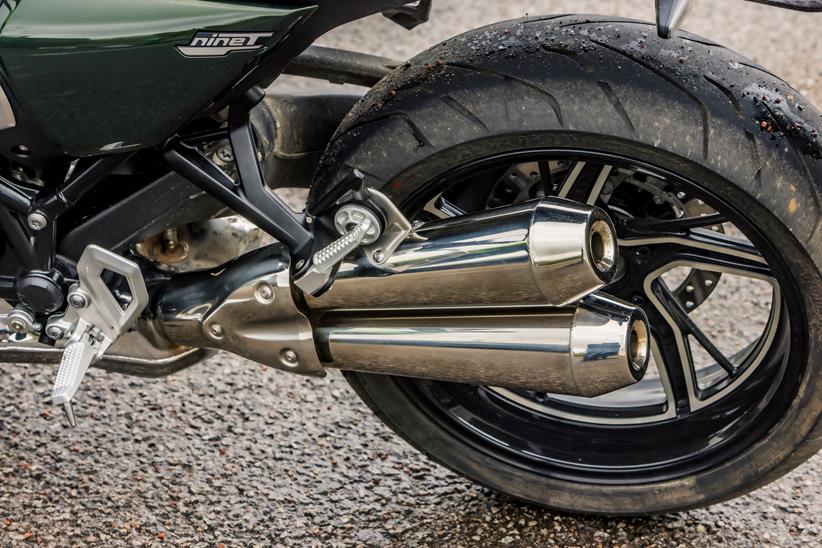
{"points": [[17, 237], [250, 196], [12, 198], [69, 194]]}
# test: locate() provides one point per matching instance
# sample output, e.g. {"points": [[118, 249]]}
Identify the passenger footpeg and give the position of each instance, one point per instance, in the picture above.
{"points": [[358, 227], [323, 261], [94, 319]]}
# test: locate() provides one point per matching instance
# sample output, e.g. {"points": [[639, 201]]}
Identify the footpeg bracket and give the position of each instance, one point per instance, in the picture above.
{"points": [[313, 278], [94, 318]]}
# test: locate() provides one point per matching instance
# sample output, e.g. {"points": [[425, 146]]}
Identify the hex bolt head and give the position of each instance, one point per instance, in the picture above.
{"points": [[289, 358], [37, 221], [77, 300], [216, 331], [54, 332], [379, 256], [265, 293], [18, 326]]}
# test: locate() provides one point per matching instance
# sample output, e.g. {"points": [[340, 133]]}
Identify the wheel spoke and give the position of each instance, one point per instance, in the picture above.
{"points": [[570, 179], [687, 327], [683, 224], [545, 178], [673, 360], [598, 184], [712, 250], [584, 182]]}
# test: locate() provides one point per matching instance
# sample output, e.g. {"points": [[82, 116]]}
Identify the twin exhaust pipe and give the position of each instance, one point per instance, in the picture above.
{"points": [[504, 297], [550, 252], [591, 349]]}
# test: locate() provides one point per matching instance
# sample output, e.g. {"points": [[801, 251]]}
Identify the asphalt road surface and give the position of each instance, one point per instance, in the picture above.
{"points": [[229, 452]]}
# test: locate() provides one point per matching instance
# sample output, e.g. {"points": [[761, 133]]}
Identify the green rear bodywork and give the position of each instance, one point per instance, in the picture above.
{"points": [[94, 73]]}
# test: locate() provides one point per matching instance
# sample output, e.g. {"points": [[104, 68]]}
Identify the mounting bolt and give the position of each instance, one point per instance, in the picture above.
{"points": [[379, 256], [265, 292], [54, 332], [20, 320], [37, 221], [289, 358], [77, 300], [216, 331], [225, 154], [18, 326]]}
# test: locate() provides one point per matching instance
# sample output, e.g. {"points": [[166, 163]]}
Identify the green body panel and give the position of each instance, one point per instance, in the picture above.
{"points": [[94, 73]]}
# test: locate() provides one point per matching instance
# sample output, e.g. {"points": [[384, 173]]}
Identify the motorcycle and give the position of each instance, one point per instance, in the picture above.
{"points": [[506, 248]]}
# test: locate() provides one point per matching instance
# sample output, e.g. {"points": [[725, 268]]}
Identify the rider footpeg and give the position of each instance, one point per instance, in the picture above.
{"points": [[93, 320], [77, 358]]}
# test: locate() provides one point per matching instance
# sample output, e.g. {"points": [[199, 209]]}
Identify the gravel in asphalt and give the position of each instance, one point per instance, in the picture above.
{"points": [[229, 452]]}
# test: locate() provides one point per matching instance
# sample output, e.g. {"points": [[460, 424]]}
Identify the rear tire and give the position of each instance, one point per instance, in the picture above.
{"points": [[684, 105]]}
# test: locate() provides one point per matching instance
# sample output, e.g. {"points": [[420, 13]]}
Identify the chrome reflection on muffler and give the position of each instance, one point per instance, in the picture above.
{"points": [[480, 299], [549, 252], [599, 346]]}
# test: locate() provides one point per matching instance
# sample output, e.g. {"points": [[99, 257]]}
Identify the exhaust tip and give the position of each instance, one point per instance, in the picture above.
{"points": [[610, 342], [573, 248], [602, 245], [638, 346]]}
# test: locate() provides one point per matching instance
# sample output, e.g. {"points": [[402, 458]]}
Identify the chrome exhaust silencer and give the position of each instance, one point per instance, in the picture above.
{"points": [[489, 298], [550, 252], [599, 346]]}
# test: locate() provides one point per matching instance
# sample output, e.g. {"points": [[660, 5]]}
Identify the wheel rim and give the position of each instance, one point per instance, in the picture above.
{"points": [[687, 416]]}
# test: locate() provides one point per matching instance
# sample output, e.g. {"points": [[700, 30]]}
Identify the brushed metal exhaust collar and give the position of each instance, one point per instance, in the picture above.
{"points": [[245, 307]]}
